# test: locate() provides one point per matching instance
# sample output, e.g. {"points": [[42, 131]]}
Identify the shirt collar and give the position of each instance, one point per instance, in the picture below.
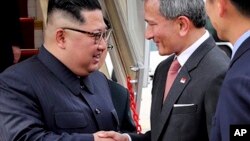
{"points": [[237, 44], [183, 57]]}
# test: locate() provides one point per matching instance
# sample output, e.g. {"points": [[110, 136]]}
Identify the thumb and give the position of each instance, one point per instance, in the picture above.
{"points": [[102, 134]]}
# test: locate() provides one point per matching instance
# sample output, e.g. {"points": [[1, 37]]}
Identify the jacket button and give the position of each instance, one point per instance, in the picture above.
{"points": [[82, 87], [97, 111]]}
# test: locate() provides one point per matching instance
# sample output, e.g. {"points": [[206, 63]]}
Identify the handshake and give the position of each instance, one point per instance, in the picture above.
{"points": [[110, 136]]}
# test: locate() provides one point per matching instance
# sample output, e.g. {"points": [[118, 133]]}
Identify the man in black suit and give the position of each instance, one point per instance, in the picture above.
{"points": [[120, 98], [10, 37], [231, 19], [59, 94], [177, 28], [121, 101]]}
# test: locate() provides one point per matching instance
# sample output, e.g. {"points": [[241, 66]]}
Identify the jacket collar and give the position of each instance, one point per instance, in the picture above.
{"points": [[62, 73], [242, 49]]}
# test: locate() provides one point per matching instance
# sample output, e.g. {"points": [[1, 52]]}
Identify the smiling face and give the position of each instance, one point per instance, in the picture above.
{"points": [[162, 31], [81, 52]]}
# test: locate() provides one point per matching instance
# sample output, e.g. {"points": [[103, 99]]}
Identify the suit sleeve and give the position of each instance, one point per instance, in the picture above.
{"points": [[141, 137]]}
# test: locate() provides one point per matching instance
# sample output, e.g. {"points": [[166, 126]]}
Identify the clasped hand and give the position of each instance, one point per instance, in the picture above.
{"points": [[110, 136]]}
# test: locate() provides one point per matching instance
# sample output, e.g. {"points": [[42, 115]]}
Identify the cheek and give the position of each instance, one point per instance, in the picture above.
{"points": [[168, 42], [82, 59], [83, 51], [78, 56], [158, 35], [164, 36]]}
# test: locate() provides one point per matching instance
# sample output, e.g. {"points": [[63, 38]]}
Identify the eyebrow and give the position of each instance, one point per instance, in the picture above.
{"points": [[149, 21], [101, 29]]}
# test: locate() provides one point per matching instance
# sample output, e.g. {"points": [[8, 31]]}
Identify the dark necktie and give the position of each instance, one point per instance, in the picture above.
{"points": [[172, 73]]}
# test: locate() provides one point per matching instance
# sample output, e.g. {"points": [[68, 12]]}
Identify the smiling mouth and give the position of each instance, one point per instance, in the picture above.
{"points": [[97, 57]]}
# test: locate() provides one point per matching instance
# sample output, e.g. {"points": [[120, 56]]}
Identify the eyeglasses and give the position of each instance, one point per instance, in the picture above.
{"points": [[97, 36], [110, 47]]}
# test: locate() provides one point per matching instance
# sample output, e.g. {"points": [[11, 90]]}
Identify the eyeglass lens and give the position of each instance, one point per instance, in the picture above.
{"points": [[104, 35]]}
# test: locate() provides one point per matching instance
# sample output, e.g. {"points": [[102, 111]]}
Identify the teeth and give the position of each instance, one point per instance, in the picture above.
{"points": [[98, 56]]}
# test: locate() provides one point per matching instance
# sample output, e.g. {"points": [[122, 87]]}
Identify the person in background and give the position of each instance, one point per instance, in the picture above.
{"points": [[231, 19], [120, 97], [223, 45], [10, 37], [184, 110], [59, 94], [121, 101], [212, 31]]}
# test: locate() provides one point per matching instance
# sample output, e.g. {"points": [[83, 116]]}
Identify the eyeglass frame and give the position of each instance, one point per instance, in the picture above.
{"points": [[97, 36]]}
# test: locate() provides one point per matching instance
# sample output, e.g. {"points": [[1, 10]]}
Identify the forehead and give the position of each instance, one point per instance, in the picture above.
{"points": [[152, 12], [151, 5], [93, 19]]}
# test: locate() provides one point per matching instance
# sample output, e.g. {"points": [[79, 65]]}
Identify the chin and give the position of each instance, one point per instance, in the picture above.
{"points": [[86, 71], [162, 53], [93, 68]]}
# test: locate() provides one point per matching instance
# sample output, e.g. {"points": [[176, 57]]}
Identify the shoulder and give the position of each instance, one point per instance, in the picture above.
{"points": [[114, 86], [24, 68], [21, 76], [217, 58]]}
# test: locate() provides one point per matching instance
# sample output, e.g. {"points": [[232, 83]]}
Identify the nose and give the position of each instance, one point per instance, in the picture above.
{"points": [[102, 44], [149, 34]]}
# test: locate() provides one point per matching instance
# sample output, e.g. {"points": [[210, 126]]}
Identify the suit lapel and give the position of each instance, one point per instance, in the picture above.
{"points": [[160, 88], [181, 81], [157, 95], [175, 92]]}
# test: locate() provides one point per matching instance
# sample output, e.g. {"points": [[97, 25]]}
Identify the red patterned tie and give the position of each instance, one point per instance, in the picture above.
{"points": [[172, 73]]}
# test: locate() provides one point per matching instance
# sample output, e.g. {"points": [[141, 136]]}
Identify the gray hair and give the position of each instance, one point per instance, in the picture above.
{"points": [[193, 9]]}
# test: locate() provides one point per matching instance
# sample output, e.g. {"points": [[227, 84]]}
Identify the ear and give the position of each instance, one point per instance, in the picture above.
{"points": [[183, 24], [222, 7], [60, 38]]}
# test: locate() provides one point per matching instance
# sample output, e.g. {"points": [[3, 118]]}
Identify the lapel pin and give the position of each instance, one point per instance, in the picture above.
{"points": [[183, 80]]}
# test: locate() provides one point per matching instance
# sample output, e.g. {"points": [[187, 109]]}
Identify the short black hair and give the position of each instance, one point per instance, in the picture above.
{"points": [[107, 22], [73, 7], [242, 6]]}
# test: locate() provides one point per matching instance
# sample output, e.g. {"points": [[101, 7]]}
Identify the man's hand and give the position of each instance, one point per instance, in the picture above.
{"points": [[16, 53], [114, 135], [97, 137]]}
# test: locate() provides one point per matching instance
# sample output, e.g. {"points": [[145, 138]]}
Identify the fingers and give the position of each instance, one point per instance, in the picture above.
{"points": [[97, 137], [114, 135], [16, 53]]}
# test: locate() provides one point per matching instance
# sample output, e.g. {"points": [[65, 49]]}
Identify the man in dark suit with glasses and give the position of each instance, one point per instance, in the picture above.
{"points": [[42, 98]]}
